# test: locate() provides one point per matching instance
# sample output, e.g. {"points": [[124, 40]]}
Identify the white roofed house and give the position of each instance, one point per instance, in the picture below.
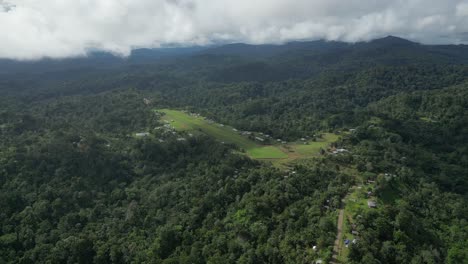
{"points": [[146, 101], [142, 134]]}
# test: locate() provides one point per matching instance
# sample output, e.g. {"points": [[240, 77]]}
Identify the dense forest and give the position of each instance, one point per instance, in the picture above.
{"points": [[77, 185]]}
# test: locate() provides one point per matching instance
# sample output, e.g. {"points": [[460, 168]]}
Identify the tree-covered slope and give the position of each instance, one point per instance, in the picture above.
{"points": [[78, 185]]}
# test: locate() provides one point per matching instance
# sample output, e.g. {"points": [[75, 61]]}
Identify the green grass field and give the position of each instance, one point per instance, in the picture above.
{"points": [[267, 152], [182, 121], [313, 147]]}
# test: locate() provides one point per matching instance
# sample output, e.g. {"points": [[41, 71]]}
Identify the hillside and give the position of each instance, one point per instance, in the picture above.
{"points": [[91, 173]]}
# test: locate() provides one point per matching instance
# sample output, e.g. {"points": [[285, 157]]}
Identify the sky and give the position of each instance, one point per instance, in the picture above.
{"points": [[35, 29]]}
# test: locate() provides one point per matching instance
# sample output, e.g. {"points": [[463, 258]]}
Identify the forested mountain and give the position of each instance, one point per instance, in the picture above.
{"points": [[77, 185]]}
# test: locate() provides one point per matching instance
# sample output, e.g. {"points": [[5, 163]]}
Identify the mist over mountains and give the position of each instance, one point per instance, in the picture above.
{"points": [[391, 50]]}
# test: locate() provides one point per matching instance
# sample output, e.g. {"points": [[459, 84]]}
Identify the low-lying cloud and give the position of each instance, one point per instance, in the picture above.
{"points": [[32, 29]]}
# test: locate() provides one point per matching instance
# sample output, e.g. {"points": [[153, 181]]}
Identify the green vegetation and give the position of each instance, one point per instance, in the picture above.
{"points": [[314, 147], [183, 121], [78, 186], [149, 201], [267, 152]]}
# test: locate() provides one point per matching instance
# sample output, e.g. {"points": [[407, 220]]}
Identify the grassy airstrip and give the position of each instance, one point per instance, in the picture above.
{"points": [[182, 121]]}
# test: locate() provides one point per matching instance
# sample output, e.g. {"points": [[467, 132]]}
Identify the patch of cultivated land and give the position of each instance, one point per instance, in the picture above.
{"points": [[183, 121]]}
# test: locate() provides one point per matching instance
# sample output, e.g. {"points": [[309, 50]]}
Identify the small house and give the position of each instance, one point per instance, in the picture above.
{"points": [[371, 204], [259, 139], [146, 101], [143, 134]]}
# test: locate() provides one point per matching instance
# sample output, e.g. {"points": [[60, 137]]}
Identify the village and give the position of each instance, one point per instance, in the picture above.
{"points": [[258, 145], [182, 125]]}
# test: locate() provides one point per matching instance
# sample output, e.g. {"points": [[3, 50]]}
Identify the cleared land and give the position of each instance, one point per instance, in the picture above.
{"points": [[313, 147], [182, 121]]}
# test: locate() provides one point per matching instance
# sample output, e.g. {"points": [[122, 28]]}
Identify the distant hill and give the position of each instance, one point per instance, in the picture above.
{"points": [[95, 60], [389, 50], [305, 59]]}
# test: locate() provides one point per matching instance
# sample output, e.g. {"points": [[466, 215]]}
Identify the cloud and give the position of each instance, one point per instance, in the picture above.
{"points": [[32, 29]]}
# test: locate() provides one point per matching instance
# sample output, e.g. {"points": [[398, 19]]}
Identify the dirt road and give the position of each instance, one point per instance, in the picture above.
{"points": [[339, 236]]}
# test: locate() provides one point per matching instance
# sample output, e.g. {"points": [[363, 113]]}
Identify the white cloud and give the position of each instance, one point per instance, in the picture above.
{"points": [[32, 29]]}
